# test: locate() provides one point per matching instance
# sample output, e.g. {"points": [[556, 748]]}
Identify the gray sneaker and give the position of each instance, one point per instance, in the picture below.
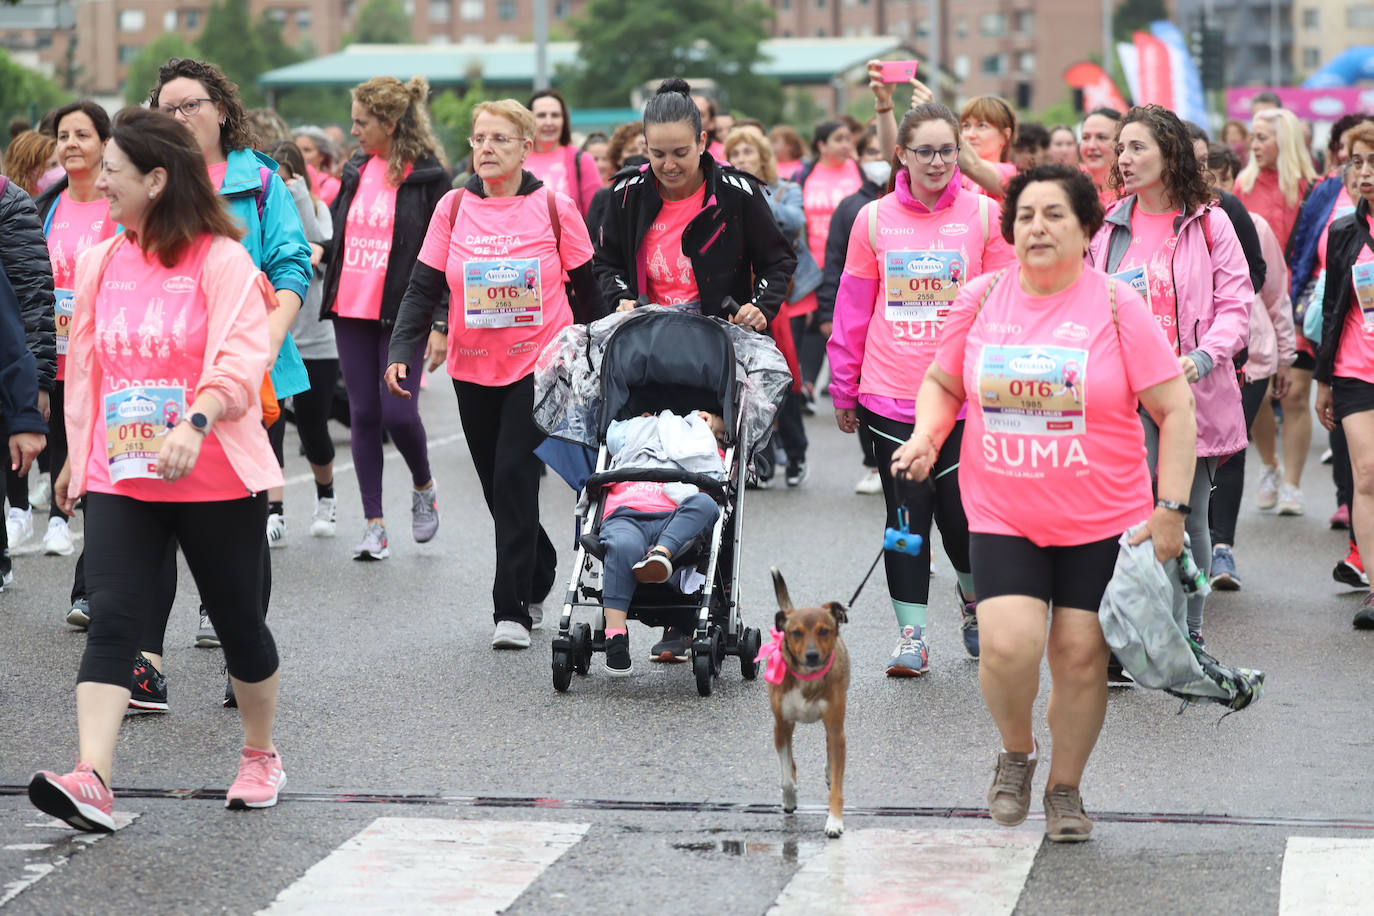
{"points": [[1065, 819], [206, 637], [424, 513], [510, 635], [80, 613], [373, 546], [1009, 797]]}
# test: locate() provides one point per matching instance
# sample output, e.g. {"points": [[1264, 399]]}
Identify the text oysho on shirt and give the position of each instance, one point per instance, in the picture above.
{"points": [[366, 245], [668, 270], [75, 227], [1053, 448], [1153, 241], [825, 187]]}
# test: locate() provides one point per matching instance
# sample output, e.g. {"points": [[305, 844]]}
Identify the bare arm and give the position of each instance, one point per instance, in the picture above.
{"points": [[1170, 405], [937, 408]]}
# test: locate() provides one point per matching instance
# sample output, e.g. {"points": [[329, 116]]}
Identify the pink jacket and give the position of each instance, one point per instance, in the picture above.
{"points": [[238, 298], [1272, 340], [1213, 298]]}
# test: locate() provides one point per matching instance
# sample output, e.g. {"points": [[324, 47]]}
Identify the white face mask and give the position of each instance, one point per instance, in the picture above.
{"points": [[877, 171]]}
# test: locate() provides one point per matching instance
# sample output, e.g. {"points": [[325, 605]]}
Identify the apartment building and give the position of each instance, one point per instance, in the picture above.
{"points": [[1325, 28]]}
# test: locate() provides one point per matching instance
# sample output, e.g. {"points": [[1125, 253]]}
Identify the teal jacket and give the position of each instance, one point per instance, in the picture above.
{"points": [[272, 232]]}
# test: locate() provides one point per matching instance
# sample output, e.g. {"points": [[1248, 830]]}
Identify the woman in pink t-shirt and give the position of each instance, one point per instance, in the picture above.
{"points": [[169, 344], [556, 160], [1051, 480], [499, 249], [321, 161], [909, 254], [989, 130]]}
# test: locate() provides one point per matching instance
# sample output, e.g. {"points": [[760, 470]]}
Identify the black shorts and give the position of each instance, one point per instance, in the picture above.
{"points": [[1350, 396], [1060, 576], [1305, 361]]}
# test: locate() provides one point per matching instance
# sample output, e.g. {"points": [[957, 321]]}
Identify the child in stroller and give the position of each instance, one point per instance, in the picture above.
{"points": [[645, 524]]}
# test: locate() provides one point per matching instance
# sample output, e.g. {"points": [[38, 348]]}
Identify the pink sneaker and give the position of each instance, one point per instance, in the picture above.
{"points": [[80, 798], [260, 779]]}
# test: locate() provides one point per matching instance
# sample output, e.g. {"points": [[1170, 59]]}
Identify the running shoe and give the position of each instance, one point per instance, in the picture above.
{"points": [[870, 484], [911, 658], [40, 491], [1327, 457], [1115, 673], [276, 530], [1267, 496], [6, 576], [424, 513], [1340, 519], [808, 399], [1009, 797], [675, 646], [260, 780], [1196, 639], [1290, 500], [19, 526], [618, 662], [206, 637], [1350, 570], [758, 482], [1065, 819], [148, 690], [1224, 575], [536, 616], [230, 701], [323, 524], [968, 623], [57, 541], [1364, 617], [373, 545], [796, 473], [509, 634], [80, 614], [80, 798]]}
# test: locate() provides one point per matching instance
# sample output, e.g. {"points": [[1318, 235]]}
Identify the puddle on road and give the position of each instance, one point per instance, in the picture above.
{"points": [[788, 850]]}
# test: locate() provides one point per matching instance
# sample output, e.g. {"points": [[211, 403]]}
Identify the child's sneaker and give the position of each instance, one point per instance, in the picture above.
{"points": [[618, 662], [80, 798], [260, 779], [911, 658]]}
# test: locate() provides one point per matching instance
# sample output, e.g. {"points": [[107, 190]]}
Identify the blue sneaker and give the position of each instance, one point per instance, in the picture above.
{"points": [[911, 658], [1224, 575], [968, 623]]}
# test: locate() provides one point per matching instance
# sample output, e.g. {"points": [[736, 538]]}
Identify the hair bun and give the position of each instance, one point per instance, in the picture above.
{"points": [[675, 84], [418, 88]]}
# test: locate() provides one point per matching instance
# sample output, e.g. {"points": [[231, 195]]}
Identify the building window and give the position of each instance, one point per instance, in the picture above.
{"points": [[128, 52], [277, 15], [1311, 18], [994, 65], [439, 39], [1025, 61], [787, 4], [472, 38], [992, 25], [961, 27], [131, 21], [1311, 58], [849, 31], [506, 38], [440, 10], [506, 9], [561, 10], [190, 19], [472, 10], [1024, 22], [820, 33], [961, 66], [302, 20], [1360, 17], [409, 7], [820, 4], [169, 21]]}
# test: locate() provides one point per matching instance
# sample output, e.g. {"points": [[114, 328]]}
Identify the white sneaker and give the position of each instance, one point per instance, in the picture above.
{"points": [[1267, 496], [276, 530], [57, 542], [870, 484], [510, 635], [323, 524], [40, 491], [1290, 500], [19, 526], [536, 616]]}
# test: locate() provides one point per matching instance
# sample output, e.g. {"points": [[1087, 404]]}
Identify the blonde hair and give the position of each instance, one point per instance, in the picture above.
{"points": [[994, 110], [1294, 163], [27, 157], [512, 111], [768, 166], [401, 105]]}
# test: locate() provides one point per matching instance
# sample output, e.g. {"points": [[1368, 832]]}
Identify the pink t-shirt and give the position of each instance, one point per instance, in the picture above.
{"points": [[1005, 169], [922, 261], [150, 338], [788, 169], [1152, 252], [668, 272], [505, 276], [1053, 448], [825, 187], [367, 243], [1342, 206], [217, 172], [74, 228], [1355, 354], [325, 186], [578, 179], [639, 495]]}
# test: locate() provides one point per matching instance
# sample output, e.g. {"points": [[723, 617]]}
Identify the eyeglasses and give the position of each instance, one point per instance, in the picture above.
{"points": [[187, 108], [496, 140], [926, 154]]}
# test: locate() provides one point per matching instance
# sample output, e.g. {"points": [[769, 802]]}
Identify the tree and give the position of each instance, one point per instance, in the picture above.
{"points": [[380, 22], [233, 43], [26, 92], [142, 74], [1135, 16], [625, 43], [452, 116]]}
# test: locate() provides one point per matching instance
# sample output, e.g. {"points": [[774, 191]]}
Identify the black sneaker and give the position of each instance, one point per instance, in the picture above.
{"points": [[1115, 673], [796, 473], [80, 614], [230, 701], [1364, 617], [673, 647], [148, 691], [618, 662]]}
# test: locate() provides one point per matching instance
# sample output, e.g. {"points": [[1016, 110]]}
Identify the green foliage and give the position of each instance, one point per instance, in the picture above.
{"points": [[452, 116], [626, 43], [1136, 16], [1061, 112], [315, 105], [380, 22], [26, 92], [143, 68], [802, 111], [244, 49]]}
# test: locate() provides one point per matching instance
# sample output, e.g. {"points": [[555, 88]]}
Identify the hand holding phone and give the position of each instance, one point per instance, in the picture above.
{"points": [[897, 71]]}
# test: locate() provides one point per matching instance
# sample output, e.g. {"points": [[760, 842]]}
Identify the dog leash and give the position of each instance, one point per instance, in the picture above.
{"points": [[929, 482], [855, 596]]}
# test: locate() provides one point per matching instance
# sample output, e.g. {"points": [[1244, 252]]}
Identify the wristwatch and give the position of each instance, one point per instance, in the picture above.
{"points": [[199, 422], [1174, 506]]}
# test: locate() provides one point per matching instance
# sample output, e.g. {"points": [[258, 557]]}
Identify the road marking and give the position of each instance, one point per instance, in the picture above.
{"points": [[953, 871], [347, 466], [1327, 875], [45, 858], [409, 864]]}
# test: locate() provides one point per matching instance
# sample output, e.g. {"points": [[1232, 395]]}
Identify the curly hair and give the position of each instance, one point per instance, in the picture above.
{"points": [[402, 106], [1078, 188], [1182, 178], [622, 138], [234, 131], [27, 157], [768, 166]]}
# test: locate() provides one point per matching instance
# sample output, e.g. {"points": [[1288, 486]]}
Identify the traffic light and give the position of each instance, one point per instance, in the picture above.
{"points": [[1212, 59]]}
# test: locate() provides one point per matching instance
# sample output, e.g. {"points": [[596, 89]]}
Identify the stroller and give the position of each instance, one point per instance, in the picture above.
{"points": [[655, 359]]}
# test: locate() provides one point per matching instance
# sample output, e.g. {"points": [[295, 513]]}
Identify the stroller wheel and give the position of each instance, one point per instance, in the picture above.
{"points": [[582, 648], [562, 670], [749, 652], [701, 666]]}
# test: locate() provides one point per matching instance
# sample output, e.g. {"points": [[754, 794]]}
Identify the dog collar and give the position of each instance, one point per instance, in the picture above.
{"points": [[777, 665]]}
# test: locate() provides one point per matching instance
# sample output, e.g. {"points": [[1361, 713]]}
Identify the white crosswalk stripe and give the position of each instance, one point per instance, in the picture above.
{"points": [[1327, 875]]}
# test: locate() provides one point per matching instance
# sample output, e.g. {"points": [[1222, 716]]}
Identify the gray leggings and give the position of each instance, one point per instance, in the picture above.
{"points": [[628, 535], [1197, 524]]}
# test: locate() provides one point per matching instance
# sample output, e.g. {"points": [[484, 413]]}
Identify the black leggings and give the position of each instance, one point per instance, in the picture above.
{"points": [[311, 408], [1229, 483], [908, 577], [224, 543]]}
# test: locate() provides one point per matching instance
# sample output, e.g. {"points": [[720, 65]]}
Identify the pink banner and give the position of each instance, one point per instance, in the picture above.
{"points": [[1156, 71], [1311, 104]]}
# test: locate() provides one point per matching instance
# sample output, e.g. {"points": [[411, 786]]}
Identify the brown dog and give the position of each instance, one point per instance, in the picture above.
{"points": [[812, 684]]}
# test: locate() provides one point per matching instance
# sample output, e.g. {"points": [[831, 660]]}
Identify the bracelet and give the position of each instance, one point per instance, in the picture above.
{"points": [[883, 110], [1174, 506]]}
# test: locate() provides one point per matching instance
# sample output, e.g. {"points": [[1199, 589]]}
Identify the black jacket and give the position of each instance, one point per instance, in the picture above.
{"points": [[1247, 236], [24, 258], [734, 243], [18, 377], [415, 200], [837, 247], [1343, 243]]}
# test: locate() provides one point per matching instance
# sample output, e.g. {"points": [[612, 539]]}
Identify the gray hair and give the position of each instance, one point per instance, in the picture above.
{"points": [[323, 143]]}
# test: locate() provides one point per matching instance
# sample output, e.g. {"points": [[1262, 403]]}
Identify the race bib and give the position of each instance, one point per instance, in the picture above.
{"points": [[1028, 390], [921, 285], [1363, 275], [137, 421], [1139, 282], [502, 294], [62, 317]]}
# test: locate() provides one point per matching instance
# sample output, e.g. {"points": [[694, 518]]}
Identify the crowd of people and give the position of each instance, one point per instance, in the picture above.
{"points": [[959, 284]]}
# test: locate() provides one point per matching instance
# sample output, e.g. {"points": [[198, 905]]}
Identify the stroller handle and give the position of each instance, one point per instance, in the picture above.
{"points": [[728, 306]]}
